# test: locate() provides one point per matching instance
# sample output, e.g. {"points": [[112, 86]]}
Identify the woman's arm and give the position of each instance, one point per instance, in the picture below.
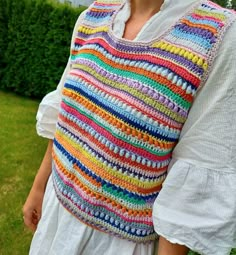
{"points": [[165, 248], [33, 205], [46, 125], [201, 176]]}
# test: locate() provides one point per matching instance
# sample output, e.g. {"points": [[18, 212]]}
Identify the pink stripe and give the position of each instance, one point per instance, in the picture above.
{"points": [[217, 20]]}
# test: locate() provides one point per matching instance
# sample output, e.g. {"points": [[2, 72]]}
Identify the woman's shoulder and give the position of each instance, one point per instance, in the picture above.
{"points": [[229, 40]]}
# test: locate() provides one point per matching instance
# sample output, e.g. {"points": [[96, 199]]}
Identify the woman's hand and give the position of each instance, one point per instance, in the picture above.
{"points": [[32, 208]]}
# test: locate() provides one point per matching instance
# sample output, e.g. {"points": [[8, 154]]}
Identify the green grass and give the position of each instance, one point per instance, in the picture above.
{"points": [[21, 151]]}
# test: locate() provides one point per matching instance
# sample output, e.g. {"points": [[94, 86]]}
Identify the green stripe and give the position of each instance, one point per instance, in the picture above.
{"points": [[120, 195]]}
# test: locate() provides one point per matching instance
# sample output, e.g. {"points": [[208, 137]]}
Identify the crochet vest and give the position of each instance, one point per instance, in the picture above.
{"points": [[123, 107]]}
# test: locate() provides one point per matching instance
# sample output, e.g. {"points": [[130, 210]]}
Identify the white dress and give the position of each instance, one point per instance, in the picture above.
{"points": [[197, 205]]}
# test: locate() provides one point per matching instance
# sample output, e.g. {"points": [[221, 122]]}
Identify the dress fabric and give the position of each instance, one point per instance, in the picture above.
{"points": [[60, 233], [197, 205]]}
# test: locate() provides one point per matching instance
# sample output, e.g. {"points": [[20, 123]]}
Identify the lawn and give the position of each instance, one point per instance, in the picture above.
{"points": [[21, 151]]}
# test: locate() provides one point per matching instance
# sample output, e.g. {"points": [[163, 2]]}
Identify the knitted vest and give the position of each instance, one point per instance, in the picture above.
{"points": [[124, 104]]}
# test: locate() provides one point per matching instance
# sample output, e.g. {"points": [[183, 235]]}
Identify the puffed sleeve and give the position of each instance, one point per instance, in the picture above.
{"points": [[197, 204], [48, 108]]}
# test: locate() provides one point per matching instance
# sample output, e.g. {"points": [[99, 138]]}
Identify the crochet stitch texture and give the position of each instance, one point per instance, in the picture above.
{"points": [[123, 107]]}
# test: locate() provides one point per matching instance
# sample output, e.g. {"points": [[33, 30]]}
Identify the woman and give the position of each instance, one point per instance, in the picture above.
{"points": [[134, 72]]}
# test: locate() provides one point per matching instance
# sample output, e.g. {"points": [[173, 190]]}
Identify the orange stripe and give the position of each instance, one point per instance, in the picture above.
{"points": [[210, 28], [101, 11]]}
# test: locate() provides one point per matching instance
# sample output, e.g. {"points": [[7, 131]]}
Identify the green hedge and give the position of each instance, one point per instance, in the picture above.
{"points": [[226, 3], [34, 44]]}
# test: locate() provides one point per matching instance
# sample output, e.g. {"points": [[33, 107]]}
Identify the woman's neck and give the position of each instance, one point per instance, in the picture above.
{"points": [[141, 12], [145, 8]]}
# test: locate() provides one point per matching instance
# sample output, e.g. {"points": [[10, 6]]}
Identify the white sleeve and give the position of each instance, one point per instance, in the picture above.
{"points": [[48, 108], [197, 204]]}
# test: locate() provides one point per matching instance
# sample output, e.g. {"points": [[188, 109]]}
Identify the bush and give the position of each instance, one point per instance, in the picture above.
{"points": [[34, 44]]}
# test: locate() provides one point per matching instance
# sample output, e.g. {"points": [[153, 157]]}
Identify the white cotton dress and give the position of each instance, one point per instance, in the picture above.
{"points": [[197, 205]]}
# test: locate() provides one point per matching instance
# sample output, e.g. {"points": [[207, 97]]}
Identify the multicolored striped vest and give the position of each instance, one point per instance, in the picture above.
{"points": [[123, 107]]}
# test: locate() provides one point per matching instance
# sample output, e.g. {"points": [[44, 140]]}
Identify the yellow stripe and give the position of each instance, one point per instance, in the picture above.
{"points": [[89, 31], [211, 14], [183, 53]]}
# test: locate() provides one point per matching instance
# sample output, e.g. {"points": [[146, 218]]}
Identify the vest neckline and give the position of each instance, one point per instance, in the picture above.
{"points": [[122, 40]]}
